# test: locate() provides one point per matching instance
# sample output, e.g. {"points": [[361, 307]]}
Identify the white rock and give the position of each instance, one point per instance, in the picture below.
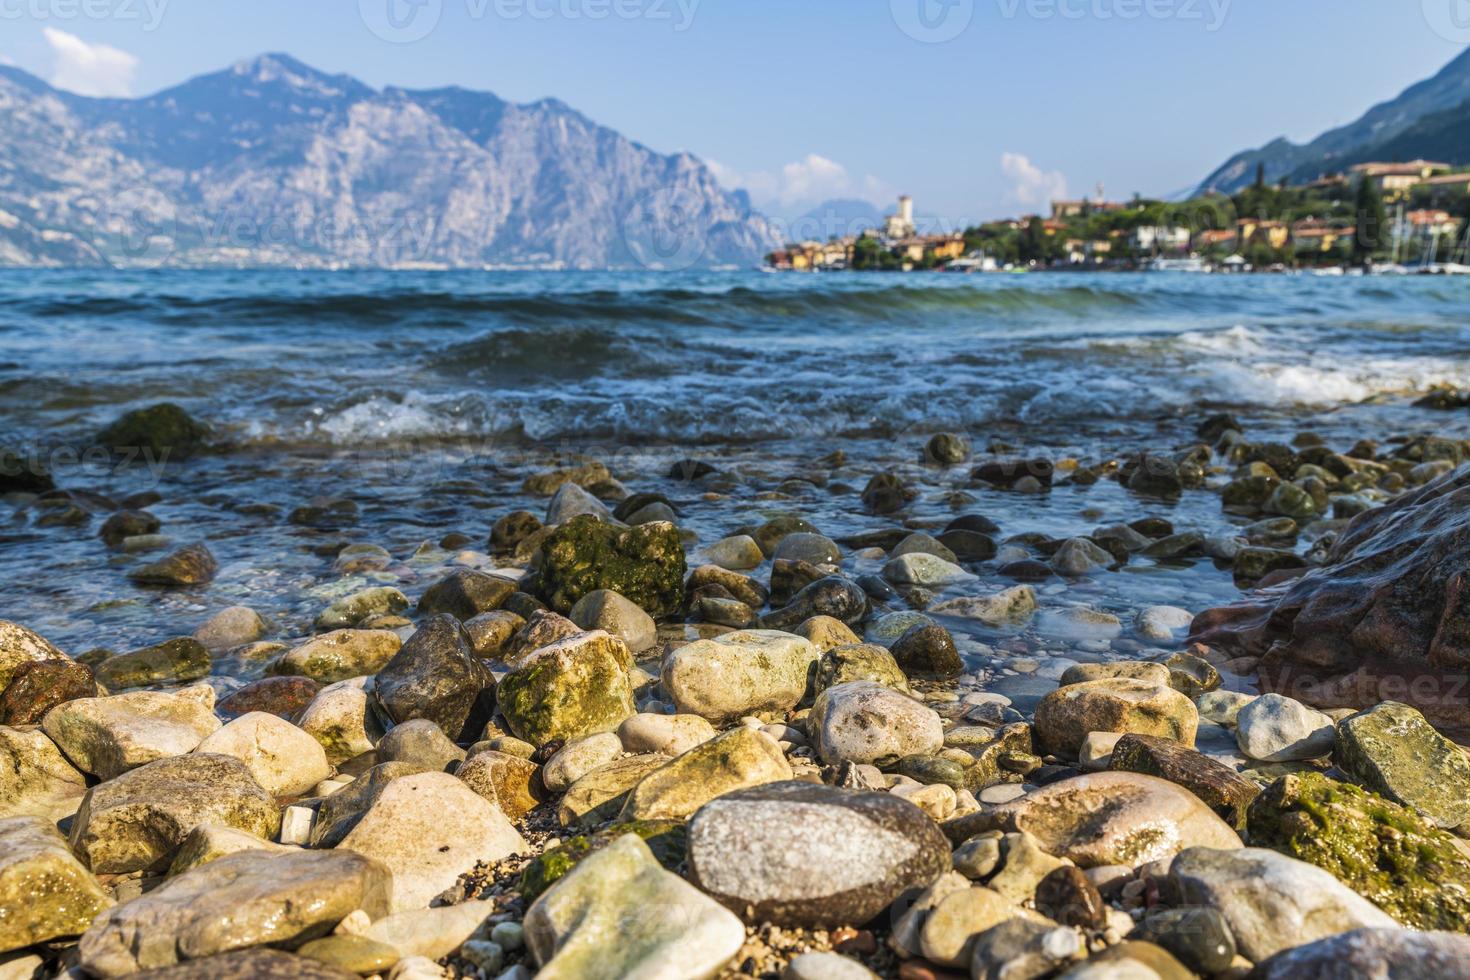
{"points": [[1012, 606], [284, 760], [1222, 707], [434, 933], [826, 966], [108, 736], [867, 722], [296, 824], [1097, 750], [1273, 728], [618, 913], [429, 829], [1270, 901], [739, 673]]}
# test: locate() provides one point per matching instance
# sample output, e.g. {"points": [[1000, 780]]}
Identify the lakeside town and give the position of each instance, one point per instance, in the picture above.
{"points": [[1378, 217]]}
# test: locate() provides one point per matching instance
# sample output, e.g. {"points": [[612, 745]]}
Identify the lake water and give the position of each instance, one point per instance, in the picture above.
{"points": [[426, 398]]}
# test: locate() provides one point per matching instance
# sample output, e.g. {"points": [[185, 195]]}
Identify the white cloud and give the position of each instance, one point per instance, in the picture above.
{"points": [[810, 180], [6, 60], [89, 69], [1033, 186]]}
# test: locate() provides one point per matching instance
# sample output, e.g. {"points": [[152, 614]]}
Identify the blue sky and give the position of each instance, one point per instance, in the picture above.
{"points": [[980, 108]]}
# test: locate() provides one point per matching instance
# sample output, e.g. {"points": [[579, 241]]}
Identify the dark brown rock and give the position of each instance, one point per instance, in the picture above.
{"points": [[928, 650], [1005, 472], [512, 529], [886, 493], [465, 593], [1067, 896], [1226, 792], [1386, 616], [37, 686], [284, 697], [437, 676], [127, 524]]}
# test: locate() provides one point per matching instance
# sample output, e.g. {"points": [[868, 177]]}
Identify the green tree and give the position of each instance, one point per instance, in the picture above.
{"points": [[1033, 241], [1368, 234]]}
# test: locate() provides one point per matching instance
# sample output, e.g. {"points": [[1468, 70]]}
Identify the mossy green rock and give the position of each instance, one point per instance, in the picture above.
{"points": [[665, 838], [158, 429], [181, 659], [1393, 751], [644, 564], [1384, 852], [577, 686]]}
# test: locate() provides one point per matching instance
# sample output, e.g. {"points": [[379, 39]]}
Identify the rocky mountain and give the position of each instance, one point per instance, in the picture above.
{"points": [[1358, 141], [273, 163]]}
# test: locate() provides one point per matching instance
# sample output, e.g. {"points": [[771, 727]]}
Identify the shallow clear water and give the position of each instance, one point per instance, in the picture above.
{"points": [[427, 397]]}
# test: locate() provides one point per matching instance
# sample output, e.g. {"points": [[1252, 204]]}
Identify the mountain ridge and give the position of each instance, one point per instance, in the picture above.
{"points": [[271, 162], [1380, 124]]}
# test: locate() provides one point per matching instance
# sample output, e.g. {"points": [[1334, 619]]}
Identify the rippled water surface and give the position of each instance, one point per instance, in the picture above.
{"points": [[427, 397]]}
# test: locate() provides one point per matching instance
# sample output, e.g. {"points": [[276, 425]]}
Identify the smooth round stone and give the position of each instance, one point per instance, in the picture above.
{"points": [[606, 610], [356, 954], [231, 627], [738, 553], [806, 546], [1273, 728], [1162, 624], [578, 758], [804, 854], [887, 628], [1114, 818], [920, 543], [664, 734], [925, 570], [866, 722]]}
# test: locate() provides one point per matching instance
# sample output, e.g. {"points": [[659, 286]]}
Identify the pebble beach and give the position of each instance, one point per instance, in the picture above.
{"points": [[1116, 630]]}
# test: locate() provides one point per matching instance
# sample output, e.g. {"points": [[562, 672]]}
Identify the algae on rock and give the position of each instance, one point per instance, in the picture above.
{"points": [[1384, 852], [644, 564]]}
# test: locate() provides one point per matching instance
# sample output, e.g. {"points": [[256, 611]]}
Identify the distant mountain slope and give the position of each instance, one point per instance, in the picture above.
{"points": [[273, 163], [1334, 149], [1442, 136]]}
